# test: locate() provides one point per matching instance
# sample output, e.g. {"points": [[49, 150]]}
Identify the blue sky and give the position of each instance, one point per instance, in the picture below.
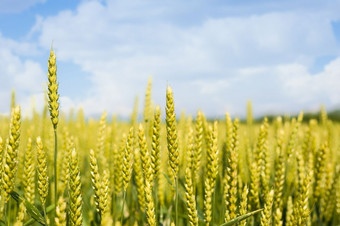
{"points": [[282, 55]]}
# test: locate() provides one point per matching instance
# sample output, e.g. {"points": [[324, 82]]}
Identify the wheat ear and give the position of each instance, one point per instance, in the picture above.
{"points": [[42, 173], [29, 173], [53, 98], [11, 156], [190, 198], [60, 219], [76, 218]]}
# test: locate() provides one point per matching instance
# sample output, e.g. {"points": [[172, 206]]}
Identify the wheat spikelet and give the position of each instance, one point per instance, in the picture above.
{"points": [[156, 149], [262, 156], [10, 167], [232, 175], [105, 191], [229, 132], [60, 219], [212, 169], [212, 155], [137, 167], [254, 186], [150, 208], [42, 171], [75, 197], [96, 185], [198, 140], [292, 139], [147, 114], [29, 173], [301, 212], [191, 150], [208, 202], [279, 180], [172, 132], [320, 167], [244, 203], [127, 162], [53, 95], [266, 214], [144, 155], [289, 213], [329, 206], [101, 141], [190, 198]]}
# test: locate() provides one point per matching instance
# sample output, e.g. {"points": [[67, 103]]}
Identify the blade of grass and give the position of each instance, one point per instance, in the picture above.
{"points": [[31, 209], [168, 179], [31, 221], [241, 218]]}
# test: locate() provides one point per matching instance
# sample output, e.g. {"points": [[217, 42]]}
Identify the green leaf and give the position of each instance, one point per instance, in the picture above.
{"points": [[169, 180], [48, 210], [2, 223], [200, 214], [241, 218], [31, 209]]}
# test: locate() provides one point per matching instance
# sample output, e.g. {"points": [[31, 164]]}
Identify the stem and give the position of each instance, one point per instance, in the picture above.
{"points": [[5, 217], [55, 170], [176, 201], [122, 213], [7, 210], [45, 216]]}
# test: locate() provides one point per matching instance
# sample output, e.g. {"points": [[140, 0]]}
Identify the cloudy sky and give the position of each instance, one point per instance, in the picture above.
{"points": [[282, 55]]}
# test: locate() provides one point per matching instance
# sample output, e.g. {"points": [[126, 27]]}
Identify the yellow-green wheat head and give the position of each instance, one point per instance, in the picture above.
{"points": [[171, 132], [11, 156], [53, 95]]}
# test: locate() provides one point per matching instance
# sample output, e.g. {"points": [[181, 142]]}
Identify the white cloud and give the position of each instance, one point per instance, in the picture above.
{"points": [[23, 75], [121, 48], [216, 64], [304, 87]]}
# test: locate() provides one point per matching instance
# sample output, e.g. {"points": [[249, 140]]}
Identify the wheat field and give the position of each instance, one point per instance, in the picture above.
{"points": [[159, 169]]}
